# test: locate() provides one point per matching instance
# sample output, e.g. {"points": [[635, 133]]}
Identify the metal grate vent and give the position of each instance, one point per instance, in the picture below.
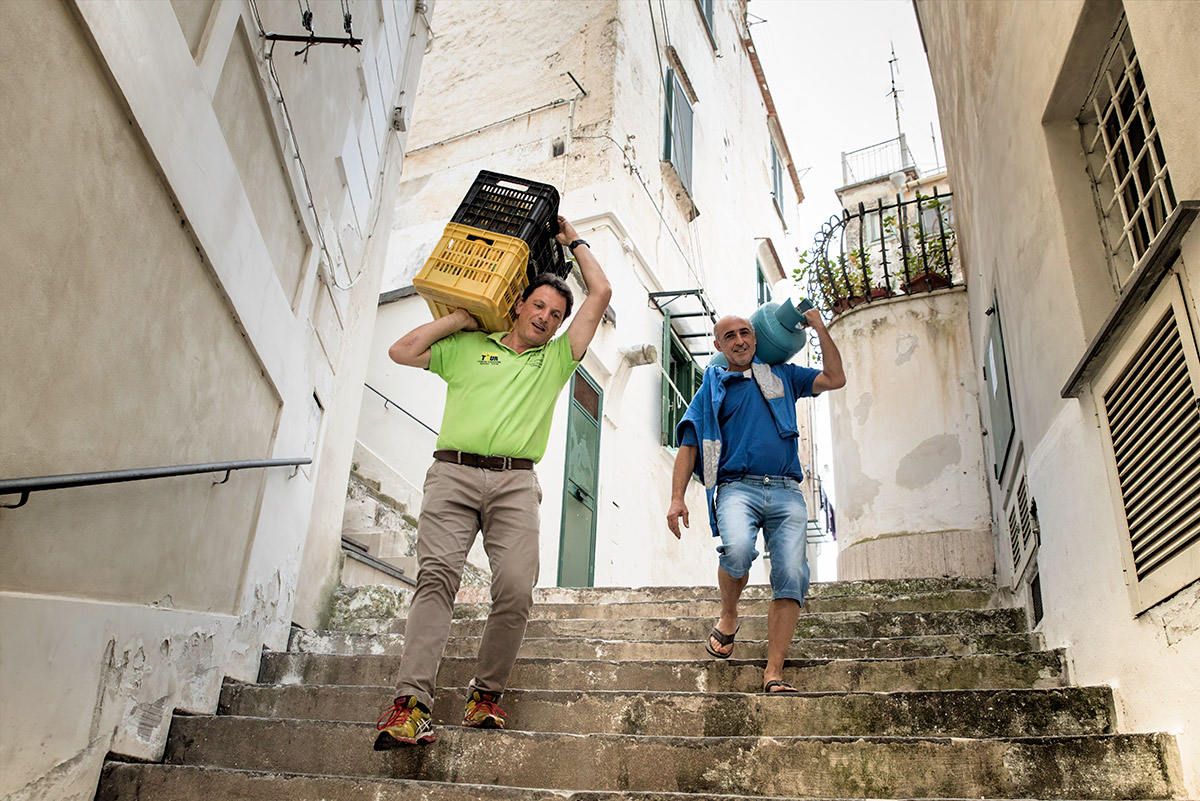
{"points": [[1023, 507], [1014, 537], [1020, 525], [1154, 418]]}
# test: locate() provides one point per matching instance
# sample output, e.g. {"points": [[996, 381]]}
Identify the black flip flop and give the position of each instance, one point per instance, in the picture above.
{"points": [[787, 688], [723, 639]]}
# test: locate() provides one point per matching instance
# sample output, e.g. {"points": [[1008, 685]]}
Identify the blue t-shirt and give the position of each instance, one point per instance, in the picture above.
{"points": [[750, 444]]}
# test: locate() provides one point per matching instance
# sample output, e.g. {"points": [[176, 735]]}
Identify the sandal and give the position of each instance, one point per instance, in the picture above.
{"points": [[722, 639], [776, 686]]}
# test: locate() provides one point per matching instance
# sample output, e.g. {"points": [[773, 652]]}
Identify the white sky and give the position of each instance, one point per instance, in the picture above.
{"points": [[826, 62]]}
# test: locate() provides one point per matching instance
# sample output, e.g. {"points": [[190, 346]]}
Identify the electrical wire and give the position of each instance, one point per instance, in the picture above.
{"points": [[666, 92], [291, 133]]}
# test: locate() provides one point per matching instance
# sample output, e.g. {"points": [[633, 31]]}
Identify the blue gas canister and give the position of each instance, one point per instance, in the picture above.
{"points": [[779, 330]]}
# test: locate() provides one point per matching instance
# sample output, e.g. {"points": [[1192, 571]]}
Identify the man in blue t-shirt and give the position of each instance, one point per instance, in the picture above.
{"points": [[739, 436]]}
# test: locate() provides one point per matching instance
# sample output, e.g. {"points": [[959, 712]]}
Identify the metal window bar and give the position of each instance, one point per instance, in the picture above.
{"points": [[25, 486], [1132, 155]]}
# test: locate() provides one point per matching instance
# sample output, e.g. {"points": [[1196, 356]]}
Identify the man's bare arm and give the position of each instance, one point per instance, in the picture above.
{"points": [[832, 376], [413, 349], [587, 318], [685, 463]]}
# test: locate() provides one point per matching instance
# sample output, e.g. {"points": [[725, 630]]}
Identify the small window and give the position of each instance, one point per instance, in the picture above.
{"points": [[936, 218], [1125, 158], [707, 8], [677, 142], [681, 379], [764, 289], [777, 179]]}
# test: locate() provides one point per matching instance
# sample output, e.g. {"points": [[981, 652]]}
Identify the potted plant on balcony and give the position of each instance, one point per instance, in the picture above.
{"points": [[928, 260], [840, 286]]}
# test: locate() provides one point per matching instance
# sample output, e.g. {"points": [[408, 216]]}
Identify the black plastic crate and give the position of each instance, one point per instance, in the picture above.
{"points": [[513, 206]]}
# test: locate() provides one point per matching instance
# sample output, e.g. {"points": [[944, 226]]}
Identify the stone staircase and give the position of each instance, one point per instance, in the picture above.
{"points": [[912, 689]]}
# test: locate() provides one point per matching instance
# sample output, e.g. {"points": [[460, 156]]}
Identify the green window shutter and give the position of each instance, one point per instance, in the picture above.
{"points": [[777, 178], [995, 370], [670, 87], [668, 433], [706, 9], [677, 132], [682, 146]]}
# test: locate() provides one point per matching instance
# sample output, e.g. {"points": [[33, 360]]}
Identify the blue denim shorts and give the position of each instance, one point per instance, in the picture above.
{"points": [[775, 505]]}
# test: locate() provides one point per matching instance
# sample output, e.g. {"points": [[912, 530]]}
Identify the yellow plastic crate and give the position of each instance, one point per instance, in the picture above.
{"points": [[476, 270]]}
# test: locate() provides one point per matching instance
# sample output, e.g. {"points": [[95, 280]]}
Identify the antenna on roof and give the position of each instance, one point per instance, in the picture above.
{"points": [[905, 156]]}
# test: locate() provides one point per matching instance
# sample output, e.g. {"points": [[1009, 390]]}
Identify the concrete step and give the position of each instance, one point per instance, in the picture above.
{"points": [[347, 644], [136, 782], [819, 625], [956, 599], [822, 589], [1086, 767], [951, 713], [1039, 669], [711, 607]]}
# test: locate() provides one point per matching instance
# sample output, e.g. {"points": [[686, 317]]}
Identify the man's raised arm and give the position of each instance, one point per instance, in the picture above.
{"points": [[413, 349], [832, 376], [587, 318]]}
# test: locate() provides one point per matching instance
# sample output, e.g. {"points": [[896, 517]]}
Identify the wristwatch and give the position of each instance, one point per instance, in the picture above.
{"points": [[571, 247]]}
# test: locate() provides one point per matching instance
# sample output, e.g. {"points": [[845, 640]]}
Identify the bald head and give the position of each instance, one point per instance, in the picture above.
{"points": [[734, 337]]}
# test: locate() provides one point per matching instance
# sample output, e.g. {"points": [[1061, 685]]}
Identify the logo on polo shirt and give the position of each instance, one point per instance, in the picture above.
{"points": [[489, 358]]}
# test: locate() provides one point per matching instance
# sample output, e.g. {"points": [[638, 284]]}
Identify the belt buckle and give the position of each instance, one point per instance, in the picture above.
{"points": [[506, 463]]}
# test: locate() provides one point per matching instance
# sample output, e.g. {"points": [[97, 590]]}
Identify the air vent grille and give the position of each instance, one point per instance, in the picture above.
{"points": [[1154, 418]]}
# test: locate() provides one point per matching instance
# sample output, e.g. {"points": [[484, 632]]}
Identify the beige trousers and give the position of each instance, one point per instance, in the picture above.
{"points": [[460, 502]]}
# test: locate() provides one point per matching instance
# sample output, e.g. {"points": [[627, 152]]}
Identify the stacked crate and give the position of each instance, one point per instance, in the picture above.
{"points": [[499, 239]]}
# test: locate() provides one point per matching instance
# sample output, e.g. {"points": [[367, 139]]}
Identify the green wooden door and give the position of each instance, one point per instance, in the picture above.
{"points": [[577, 540]]}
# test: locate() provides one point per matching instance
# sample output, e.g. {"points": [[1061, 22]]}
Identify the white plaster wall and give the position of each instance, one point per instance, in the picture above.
{"points": [[911, 492], [157, 311], [623, 201], [1029, 231]]}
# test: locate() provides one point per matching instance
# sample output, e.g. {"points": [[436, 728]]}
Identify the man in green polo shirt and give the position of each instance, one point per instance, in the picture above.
{"points": [[500, 395]]}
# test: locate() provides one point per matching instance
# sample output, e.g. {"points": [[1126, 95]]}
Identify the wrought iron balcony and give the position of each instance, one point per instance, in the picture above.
{"points": [[905, 247]]}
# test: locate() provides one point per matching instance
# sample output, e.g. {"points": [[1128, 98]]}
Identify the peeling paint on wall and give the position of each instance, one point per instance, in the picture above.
{"points": [[924, 463]]}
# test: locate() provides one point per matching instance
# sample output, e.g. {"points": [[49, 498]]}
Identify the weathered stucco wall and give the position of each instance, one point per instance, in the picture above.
{"points": [[628, 205], [165, 303], [912, 498], [1010, 79]]}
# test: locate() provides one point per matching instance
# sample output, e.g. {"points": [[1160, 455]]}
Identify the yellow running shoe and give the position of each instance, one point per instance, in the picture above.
{"points": [[483, 712], [405, 723]]}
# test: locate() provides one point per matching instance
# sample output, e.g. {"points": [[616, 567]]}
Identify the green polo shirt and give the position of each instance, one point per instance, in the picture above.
{"points": [[499, 402]]}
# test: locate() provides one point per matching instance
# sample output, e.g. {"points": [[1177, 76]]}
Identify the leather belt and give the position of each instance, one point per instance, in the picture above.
{"points": [[486, 462]]}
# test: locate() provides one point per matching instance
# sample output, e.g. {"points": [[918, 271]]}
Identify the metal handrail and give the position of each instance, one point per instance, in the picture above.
{"points": [[24, 486], [389, 402]]}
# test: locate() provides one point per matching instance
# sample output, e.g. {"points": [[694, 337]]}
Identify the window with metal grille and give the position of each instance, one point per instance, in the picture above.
{"points": [[677, 140], [764, 289], [1152, 409], [1125, 158]]}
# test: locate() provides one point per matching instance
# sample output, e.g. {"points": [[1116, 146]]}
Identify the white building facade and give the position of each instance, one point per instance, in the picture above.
{"points": [[1072, 131], [660, 134], [193, 240]]}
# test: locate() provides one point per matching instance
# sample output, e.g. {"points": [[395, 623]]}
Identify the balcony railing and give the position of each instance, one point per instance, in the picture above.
{"points": [[905, 247], [876, 160]]}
